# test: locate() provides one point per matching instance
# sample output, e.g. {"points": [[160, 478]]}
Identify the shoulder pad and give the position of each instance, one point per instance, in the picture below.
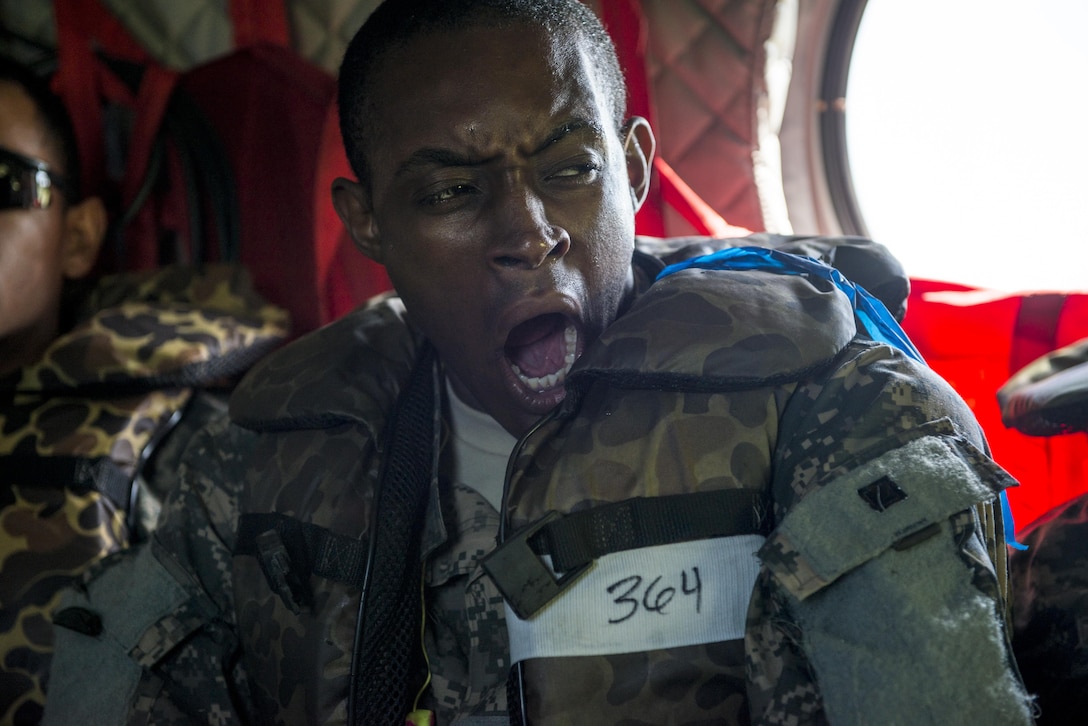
{"points": [[349, 370], [724, 323]]}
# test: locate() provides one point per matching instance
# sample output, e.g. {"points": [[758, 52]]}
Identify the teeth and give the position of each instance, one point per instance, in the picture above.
{"points": [[570, 338]]}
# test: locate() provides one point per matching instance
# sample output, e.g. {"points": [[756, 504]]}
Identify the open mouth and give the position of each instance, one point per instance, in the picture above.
{"points": [[542, 350]]}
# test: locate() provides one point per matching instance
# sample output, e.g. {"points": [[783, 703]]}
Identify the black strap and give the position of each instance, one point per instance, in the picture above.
{"points": [[308, 549], [80, 474], [387, 655], [581, 537]]}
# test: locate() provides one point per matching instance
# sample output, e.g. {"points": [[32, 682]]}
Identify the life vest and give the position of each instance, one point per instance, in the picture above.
{"points": [[647, 518], [655, 470]]}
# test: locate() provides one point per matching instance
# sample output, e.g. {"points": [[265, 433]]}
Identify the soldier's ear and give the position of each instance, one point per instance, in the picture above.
{"points": [[352, 203], [84, 230], [638, 148]]}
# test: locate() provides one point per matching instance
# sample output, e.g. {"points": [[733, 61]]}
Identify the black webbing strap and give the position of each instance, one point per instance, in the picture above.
{"points": [[579, 538], [386, 665], [80, 474], [290, 551]]}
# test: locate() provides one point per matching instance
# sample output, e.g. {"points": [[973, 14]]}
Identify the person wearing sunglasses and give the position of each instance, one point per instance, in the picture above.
{"points": [[102, 380], [48, 234]]}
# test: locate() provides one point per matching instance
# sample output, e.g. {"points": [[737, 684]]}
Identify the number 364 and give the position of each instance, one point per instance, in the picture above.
{"points": [[636, 593]]}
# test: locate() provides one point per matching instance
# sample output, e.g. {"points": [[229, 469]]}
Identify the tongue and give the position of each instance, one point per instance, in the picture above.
{"points": [[537, 347]]}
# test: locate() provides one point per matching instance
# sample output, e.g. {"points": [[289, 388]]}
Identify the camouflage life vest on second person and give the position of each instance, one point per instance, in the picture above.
{"points": [[79, 429], [1049, 397]]}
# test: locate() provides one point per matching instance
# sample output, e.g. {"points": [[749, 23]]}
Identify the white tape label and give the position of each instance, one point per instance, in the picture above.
{"points": [[650, 598]]}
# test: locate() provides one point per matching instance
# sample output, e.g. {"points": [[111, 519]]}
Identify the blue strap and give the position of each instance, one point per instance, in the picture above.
{"points": [[874, 317], [1010, 528], [877, 321]]}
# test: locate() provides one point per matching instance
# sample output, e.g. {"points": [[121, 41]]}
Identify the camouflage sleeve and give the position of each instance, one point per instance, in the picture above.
{"points": [[1050, 633], [156, 622], [879, 600]]}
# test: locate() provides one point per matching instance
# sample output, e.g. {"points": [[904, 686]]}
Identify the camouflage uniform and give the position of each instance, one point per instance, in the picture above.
{"points": [[1050, 611], [79, 427], [712, 381], [1050, 578]]}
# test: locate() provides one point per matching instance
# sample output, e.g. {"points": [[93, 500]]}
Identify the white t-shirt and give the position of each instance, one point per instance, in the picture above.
{"points": [[481, 448]]}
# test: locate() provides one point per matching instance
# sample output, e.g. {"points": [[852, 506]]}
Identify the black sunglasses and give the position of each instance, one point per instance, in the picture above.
{"points": [[27, 183]]}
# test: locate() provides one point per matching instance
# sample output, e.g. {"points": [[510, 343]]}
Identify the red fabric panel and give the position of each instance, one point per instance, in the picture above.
{"points": [[344, 275], [268, 107], [84, 26], [624, 21], [260, 21], [272, 110], [352, 278], [970, 337], [626, 24]]}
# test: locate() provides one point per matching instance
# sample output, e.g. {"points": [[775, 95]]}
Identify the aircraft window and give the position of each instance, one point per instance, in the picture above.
{"points": [[967, 150]]}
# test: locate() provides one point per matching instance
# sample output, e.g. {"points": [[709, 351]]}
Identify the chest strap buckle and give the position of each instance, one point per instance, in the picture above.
{"points": [[523, 578]]}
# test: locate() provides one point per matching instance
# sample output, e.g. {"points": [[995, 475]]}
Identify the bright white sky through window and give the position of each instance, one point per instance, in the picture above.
{"points": [[967, 128]]}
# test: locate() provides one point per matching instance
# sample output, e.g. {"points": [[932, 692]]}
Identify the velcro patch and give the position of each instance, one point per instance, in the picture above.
{"points": [[903, 492], [882, 493]]}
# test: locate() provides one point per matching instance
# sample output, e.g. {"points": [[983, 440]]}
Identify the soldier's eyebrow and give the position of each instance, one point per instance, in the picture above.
{"points": [[432, 156], [437, 156], [568, 128]]}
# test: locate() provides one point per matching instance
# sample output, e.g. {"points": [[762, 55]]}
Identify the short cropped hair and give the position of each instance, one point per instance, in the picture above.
{"points": [[397, 22], [58, 124]]}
